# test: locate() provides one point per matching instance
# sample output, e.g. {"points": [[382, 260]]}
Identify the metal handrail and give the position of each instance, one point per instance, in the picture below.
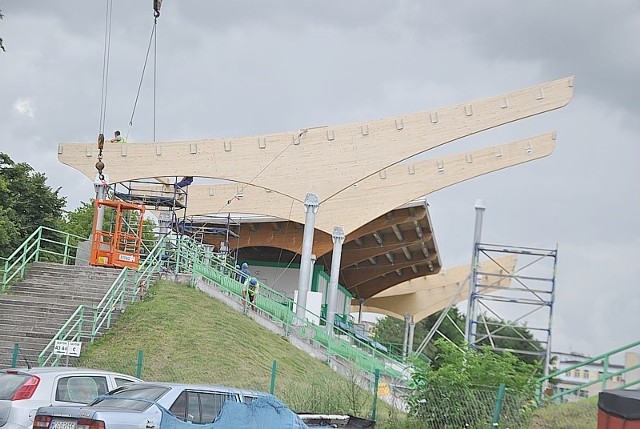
{"points": [[606, 375], [114, 297], [364, 356], [72, 325], [30, 251], [191, 256], [102, 312]]}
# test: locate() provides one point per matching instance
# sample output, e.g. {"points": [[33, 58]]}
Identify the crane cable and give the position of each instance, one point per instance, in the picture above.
{"points": [[152, 39], [105, 75]]}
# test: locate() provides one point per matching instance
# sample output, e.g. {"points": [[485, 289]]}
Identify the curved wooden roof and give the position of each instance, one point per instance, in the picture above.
{"points": [[361, 172]]}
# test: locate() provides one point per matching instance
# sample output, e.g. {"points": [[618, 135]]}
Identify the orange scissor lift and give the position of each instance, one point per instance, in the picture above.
{"points": [[117, 244]]}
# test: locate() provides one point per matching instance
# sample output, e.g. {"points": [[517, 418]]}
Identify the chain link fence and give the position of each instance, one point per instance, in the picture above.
{"points": [[311, 394], [472, 407], [439, 408]]}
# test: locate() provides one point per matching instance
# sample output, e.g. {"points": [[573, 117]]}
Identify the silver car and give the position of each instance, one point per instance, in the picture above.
{"points": [[24, 390], [132, 406]]}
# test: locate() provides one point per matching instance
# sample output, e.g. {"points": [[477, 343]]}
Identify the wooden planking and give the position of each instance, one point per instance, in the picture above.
{"points": [[318, 164], [423, 296], [379, 196], [355, 206]]}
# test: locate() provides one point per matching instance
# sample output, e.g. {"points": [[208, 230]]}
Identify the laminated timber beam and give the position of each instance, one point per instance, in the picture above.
{"points": [[423, 296], [356, 206], [330, 159]]}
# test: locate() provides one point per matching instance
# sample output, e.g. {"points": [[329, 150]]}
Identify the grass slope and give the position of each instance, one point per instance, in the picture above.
{"points": [[192, 338], [581, 414]]}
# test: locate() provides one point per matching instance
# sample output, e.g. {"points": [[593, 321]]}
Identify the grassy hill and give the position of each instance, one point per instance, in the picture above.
{"points": [[190, 337], [575, 415]]}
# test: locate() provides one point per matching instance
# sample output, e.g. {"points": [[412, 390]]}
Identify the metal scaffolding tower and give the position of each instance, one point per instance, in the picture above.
{"points": [[497, 312]]}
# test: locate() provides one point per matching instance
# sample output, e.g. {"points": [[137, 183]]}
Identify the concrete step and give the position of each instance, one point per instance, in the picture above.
{"points": [[78, 295], [36, 307], [67, 281], [64, 270], [14, 323], [30, 353], [52, 266], [8, 301]]}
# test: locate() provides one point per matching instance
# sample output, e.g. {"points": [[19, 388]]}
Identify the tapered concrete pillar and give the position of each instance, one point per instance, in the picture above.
{"points": [[405, 343], [311, 265], [311, 203], [412, 328], [332, 299]]}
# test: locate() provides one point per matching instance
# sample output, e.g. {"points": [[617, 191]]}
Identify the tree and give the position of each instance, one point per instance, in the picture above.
{"points": [[461, 390], [390, 331], [26, 202], [80, 222]]}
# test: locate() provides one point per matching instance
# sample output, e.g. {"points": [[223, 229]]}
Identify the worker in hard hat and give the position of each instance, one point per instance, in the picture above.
{"points": [[244, 272], [252, 291]]}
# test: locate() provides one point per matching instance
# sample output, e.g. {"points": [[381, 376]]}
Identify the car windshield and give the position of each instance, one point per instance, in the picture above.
{"points": [[10, 383], [131, 397]]}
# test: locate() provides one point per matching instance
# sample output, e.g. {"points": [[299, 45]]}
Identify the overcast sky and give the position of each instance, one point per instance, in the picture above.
{"points": [[238, 68]]}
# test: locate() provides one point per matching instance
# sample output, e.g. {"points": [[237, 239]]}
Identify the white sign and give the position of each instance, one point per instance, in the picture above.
{"points": [[60, 347], [74, 348], [67, 348]]}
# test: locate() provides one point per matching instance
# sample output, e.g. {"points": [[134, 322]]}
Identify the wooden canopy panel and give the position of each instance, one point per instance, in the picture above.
{"points": [[422, 296], [398, 245], [359, 171], [331, 158], [356, 206]]}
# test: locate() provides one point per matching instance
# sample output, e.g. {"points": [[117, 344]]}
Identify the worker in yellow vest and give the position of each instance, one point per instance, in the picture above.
{"points": [[118, 138]]}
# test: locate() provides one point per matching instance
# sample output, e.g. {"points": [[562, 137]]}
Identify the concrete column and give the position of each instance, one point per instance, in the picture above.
{"points": [[406, 335], [312, 264], [100, 187], [361, 303], [412, 328], [311, 203], [332, 299], [470, 330]]}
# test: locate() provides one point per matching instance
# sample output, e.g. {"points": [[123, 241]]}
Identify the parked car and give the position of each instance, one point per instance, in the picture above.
{"points": [[24, 390], [134, 406]]}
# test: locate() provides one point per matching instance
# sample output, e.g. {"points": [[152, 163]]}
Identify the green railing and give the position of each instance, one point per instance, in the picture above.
{"points": [[603, 379], [125, 288], [44, 244], [280, 309], [184, 254], [72, 330]]}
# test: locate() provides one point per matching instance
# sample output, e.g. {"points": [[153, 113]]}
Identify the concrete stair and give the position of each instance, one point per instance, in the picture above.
{"points": [[35, 308]]}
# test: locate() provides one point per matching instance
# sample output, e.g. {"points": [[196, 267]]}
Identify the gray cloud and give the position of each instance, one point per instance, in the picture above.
{"points": [[242, 68]]}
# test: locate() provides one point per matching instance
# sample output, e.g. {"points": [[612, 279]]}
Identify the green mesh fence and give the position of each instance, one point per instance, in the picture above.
{"points": [[473, 407], [300, 390]]}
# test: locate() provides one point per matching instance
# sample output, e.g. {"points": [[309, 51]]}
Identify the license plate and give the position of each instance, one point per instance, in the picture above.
{"points": [[63, 425]]}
